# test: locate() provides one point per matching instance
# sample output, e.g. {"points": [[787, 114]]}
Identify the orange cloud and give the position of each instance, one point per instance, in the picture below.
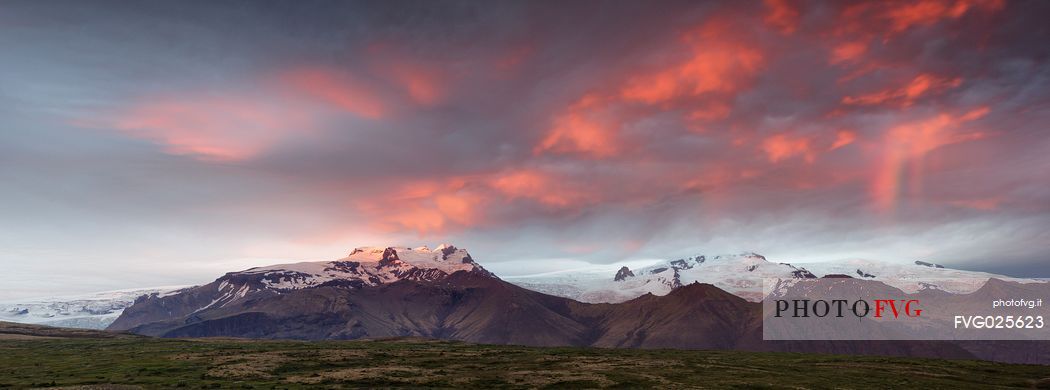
{"points": [[713, 68], [426, 207], [337, 89], [223, 128], [843, 138], [578, 131], [781, 146], [453, 203], [916, 139], [848, 52], [717, 63], [781, 15], [460, 207], [424, 80], [904, 15], [421, 87], [893, 17], [907, 143], [423, 84], [861, 22], [538, 186], [904, 96], [422, 220]]}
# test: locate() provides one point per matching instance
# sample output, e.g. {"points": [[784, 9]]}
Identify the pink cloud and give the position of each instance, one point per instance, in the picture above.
{"points": [[718, 62], [781, 147], [843, 138], [226, 128], [337, 89], [907, 143], [849, 51], [536, 185], [905, 95], [781, 15], [581, 130]]}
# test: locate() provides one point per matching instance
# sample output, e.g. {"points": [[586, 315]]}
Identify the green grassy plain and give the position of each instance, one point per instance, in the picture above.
{"points": [[222, 363]]}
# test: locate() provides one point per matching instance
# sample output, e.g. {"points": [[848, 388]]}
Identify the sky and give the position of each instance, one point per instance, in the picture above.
{"points": [[167, 142]]}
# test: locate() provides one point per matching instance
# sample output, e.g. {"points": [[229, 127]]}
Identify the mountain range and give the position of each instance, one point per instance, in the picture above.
{"points": [[742, 275], [739, 274], [443, 293]]}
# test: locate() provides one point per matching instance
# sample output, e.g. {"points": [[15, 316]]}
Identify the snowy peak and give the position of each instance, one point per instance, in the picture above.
{"points": [[743, 262], [740, 274], [445, 257], [926, 264], [363, 267], [622, 274], [385, 263]]}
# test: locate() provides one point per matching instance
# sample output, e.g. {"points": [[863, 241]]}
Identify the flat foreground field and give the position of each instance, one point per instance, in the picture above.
{"points": [[133, 362]]}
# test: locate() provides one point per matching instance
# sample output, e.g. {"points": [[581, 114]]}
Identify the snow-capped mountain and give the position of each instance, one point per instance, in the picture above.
{"points": [[739, 274], [366, 265], [91, 311], [363, 267], [442, 294], [743, 275]]}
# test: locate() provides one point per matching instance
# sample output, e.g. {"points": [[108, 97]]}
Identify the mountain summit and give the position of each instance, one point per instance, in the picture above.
{"points": [[364, 266]]}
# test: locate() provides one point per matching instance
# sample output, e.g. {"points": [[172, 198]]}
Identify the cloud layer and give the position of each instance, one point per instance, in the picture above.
{"points": [[167, 140]]}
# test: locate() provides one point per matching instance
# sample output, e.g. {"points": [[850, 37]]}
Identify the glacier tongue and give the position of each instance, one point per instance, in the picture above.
{"points": [[89, 311]]}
